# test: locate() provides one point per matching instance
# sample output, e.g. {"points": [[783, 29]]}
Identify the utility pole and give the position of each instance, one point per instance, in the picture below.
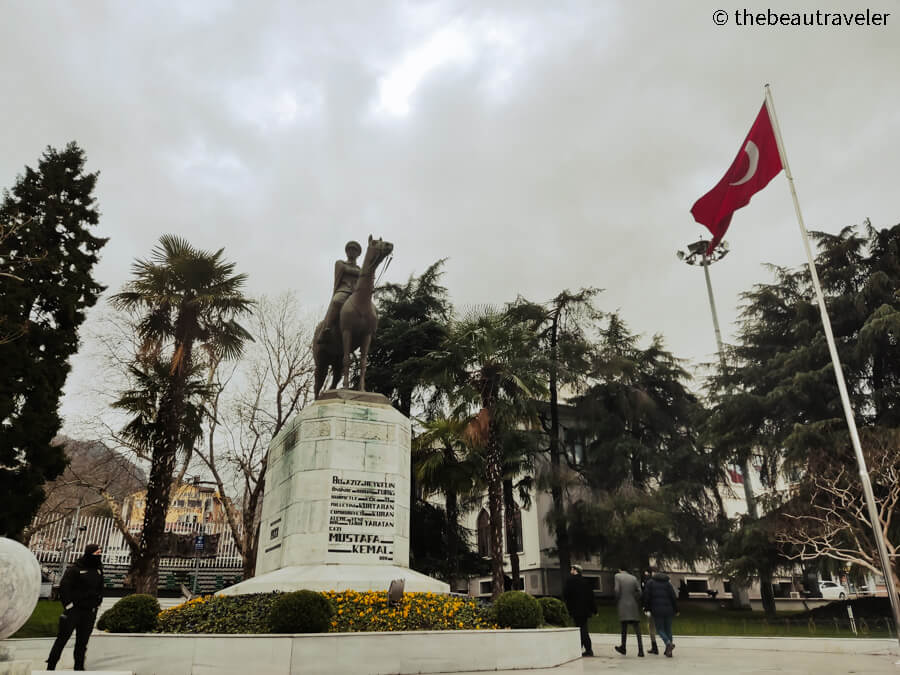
{"points": [[696, 255]]}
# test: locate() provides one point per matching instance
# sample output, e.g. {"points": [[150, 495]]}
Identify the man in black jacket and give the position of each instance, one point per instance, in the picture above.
{"points": [[659, 598], [579, 597], [81, 592]]}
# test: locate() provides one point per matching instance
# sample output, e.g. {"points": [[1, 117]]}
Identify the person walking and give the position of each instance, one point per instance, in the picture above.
{"points": [[81, 592], [659, 598], [651, 627], [579, 599], [628, 605]]}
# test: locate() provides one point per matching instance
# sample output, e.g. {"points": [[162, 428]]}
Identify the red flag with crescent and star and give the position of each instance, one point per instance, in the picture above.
{"points": [[756, 164]]}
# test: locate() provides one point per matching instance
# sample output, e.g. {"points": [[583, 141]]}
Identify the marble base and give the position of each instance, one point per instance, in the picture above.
{"points": [[337, 578], [15, 668]]}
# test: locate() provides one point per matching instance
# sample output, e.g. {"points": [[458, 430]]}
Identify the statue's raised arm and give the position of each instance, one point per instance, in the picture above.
{"points": [[351, 319]]}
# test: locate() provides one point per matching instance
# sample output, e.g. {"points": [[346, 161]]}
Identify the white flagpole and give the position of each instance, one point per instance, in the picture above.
{"points": [[839, 376]]}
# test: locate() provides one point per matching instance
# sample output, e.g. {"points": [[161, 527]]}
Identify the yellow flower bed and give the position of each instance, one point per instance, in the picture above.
{"points": [[369, 611], [354, 611]]}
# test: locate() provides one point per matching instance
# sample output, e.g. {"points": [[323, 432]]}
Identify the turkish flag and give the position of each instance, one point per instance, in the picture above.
{"points": [[757, 163]]}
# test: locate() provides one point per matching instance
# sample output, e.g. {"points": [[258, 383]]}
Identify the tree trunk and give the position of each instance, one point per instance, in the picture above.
{"points": [[560, 526], [251, 546], [766, 594], [512, 535], [494, 477], [451, 512], [252, 517], [144, 570]]}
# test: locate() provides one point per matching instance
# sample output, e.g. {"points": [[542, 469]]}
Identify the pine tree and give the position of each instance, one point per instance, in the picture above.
{"points": [[47, 255]]}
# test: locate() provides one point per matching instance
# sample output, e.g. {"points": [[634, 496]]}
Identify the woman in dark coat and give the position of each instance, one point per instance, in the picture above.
{"points": [[659, 598]]}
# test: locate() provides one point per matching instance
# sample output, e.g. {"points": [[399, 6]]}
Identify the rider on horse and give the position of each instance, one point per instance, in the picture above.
{"points": [[346, 274]]}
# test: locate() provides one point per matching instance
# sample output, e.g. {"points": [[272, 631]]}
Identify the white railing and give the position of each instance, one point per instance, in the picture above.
{"points": [[48, 543]]}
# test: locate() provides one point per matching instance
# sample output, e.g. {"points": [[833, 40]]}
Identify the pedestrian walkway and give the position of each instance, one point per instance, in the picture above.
{"points": [[737, 656]]}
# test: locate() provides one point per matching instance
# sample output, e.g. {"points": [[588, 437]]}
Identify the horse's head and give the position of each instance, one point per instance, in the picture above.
{"points": [[376, 252]]}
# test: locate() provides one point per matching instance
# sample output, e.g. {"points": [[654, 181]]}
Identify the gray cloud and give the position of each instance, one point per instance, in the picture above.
{"points": [[548, 146]]}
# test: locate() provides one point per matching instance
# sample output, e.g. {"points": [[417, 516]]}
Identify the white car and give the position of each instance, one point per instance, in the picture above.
{"points": [[832, 590]]}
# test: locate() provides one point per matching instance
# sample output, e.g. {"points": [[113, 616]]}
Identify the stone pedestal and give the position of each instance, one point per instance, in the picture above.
{"points": [[336, 506]]}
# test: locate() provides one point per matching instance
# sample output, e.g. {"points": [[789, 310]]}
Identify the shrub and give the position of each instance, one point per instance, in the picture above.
{"points": [[220, 614], [301, 612], [132, 614], [517, 609], [555, 612], [370, 611]]}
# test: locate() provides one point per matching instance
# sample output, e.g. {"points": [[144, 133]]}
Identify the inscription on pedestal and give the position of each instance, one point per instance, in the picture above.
{"points": [[361, 519]]}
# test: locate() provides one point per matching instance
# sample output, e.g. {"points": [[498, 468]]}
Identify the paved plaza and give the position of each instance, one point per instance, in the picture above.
{"points": [[722, 662], [737, 656]]}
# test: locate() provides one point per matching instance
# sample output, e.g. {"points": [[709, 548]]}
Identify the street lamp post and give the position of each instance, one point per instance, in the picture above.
{"points": [[202, 536], [696, 255]]}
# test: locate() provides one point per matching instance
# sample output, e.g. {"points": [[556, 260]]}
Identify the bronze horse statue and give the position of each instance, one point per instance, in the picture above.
{"points": [[357, 321]]}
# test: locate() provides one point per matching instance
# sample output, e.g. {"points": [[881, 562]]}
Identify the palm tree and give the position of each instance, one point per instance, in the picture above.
{"points": [[443, 462], [489, 360], [182, 299]]}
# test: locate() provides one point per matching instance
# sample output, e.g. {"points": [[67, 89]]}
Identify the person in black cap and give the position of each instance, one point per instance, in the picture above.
{"points": [[81, 592], [579, 598]]}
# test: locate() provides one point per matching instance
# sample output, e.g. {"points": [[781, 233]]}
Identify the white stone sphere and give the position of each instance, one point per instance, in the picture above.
{"points": [[20, 586]]}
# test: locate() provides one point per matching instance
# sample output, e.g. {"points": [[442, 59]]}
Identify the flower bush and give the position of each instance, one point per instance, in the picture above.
{"points": [[354, 611], [370, 611], [220, 614]]}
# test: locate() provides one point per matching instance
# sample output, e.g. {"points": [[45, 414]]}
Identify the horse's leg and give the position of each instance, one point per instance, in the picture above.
{"points": [[364, 359], [347, 335], [336, 371], [321, 372]]}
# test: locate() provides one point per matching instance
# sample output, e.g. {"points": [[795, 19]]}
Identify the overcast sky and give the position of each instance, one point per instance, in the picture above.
{"points": [[538, 145]]}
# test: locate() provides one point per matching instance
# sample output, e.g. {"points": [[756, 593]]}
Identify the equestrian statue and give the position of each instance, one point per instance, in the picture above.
{"points": [[351, 319]]}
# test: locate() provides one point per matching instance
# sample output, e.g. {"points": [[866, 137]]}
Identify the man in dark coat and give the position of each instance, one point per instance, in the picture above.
{"points": [[659, 598], [579, 598], [81, 592]]}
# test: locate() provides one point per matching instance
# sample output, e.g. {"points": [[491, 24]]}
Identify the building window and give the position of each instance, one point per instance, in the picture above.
{"points": [[516, 533], [574, 441], [484, 533]]}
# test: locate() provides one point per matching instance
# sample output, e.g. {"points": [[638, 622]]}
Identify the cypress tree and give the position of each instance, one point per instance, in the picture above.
{"points": [[47, 255]]}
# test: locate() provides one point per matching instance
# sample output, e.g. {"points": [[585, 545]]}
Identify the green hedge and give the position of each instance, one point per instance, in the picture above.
{"points": [[517, 609], [301, 612], [220, 614], [555, 612], [132, 614]]}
